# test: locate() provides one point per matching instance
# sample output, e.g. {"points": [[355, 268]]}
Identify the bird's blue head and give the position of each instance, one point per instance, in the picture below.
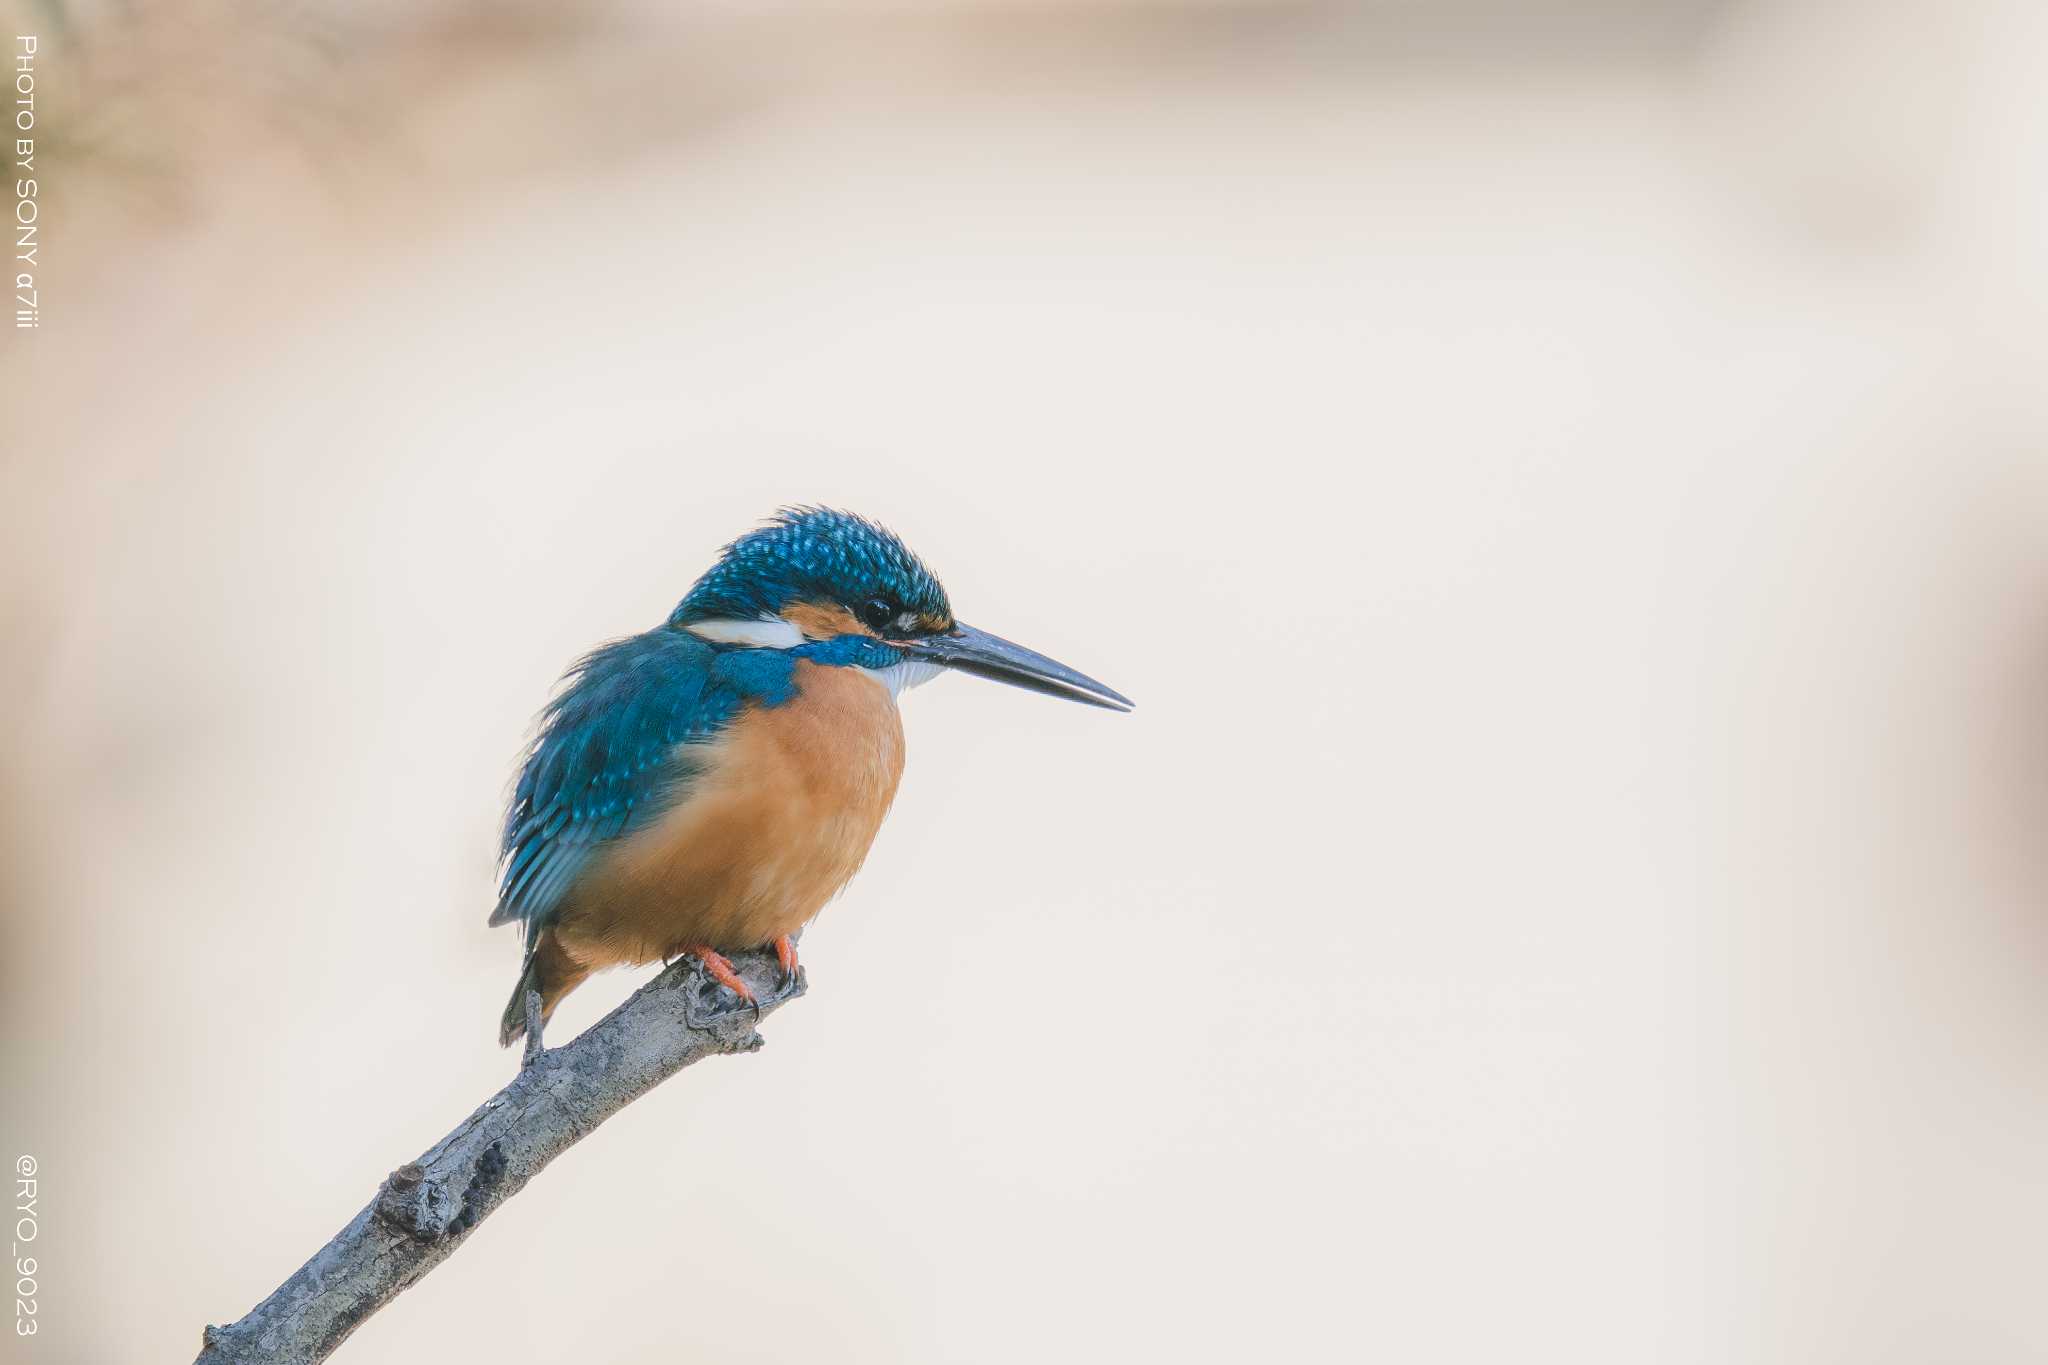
{"points": [[814, 575], [821, 563]]}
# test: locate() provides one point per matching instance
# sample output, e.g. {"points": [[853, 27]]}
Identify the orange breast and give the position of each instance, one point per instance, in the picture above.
{"points": [[778, 822]]}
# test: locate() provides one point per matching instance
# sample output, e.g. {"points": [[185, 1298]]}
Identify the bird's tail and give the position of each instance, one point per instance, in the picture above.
{"points": [[550, 970]]}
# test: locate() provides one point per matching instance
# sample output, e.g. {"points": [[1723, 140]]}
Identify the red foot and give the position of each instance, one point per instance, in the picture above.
{"points": [[721, 970], [785, 953]]}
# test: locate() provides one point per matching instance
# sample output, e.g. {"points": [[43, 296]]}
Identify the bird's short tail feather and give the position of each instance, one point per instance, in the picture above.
{"points": [[512, 1027], [550, 970]]}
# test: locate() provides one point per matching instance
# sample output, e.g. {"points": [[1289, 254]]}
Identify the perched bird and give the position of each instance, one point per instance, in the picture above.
{"points": [[708, 786]]}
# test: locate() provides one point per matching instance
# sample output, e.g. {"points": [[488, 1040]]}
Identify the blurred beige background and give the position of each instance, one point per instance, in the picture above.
{"points": [[1564, 482]]}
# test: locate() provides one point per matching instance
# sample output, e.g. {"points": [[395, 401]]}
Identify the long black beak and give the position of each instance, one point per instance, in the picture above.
{"points": [[991, 656]]}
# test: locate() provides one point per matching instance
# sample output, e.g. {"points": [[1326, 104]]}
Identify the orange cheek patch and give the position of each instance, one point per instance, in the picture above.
{"points": [[821, 621]]}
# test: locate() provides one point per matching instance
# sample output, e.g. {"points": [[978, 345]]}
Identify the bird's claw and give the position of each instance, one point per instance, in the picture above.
{"points": [[717, 968], [785, 956]]}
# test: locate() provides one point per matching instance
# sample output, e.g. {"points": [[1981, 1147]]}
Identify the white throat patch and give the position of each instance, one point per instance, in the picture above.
{"points": [[769, 632], [900, 678]]}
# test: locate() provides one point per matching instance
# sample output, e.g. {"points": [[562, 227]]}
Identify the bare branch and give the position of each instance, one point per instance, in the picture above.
{"points": [[427, 1208]]}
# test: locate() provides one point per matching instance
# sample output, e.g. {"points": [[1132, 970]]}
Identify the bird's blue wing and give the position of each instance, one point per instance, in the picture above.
{"points": [[613, 753]]}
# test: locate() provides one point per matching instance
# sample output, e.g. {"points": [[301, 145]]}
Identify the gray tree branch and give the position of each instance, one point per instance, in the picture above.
{"points": [[427, 1208]]}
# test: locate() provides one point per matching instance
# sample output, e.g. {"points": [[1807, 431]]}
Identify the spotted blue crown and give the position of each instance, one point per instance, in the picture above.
{"points": [[813, 554]]}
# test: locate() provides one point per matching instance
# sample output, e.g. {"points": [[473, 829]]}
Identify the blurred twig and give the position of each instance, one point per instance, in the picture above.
{"points": [[427, 1208]]}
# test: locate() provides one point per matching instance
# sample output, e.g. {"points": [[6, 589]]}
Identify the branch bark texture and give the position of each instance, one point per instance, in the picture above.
{"points": [[428, 1207]]}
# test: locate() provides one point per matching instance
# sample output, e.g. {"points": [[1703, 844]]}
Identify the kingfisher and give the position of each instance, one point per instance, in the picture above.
{"points": [[707, 786]]}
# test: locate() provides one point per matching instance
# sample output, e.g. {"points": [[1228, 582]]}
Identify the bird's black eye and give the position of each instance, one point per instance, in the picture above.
{"points": [[877, 612]]}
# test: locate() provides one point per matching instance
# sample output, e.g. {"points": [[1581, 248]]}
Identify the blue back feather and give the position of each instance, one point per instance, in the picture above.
{"points": [[614, 752]]}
